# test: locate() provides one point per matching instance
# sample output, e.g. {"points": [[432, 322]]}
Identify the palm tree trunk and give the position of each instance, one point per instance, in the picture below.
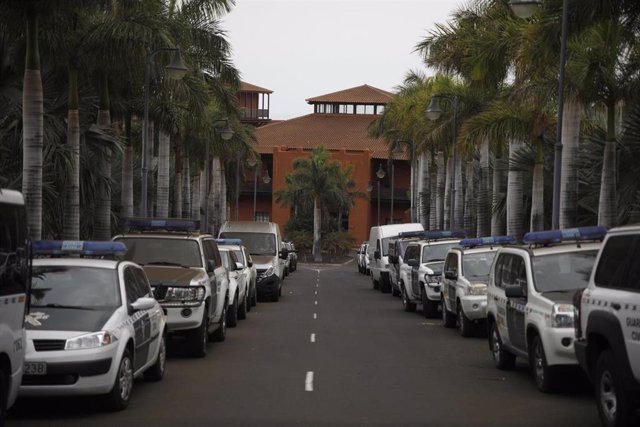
{"points": [[425, 194], [537, 192], [440, 198], [483, 202], [433, 199], [32, 130], [470, 199], [317, 221], [126, 193], [186, 188], [162, 189], [102, 227], [71, 225], [195, 197], [177, 181], [515, 193], [458, 203], [224, 206], [498, 224], [569, 178], [215, 195], [607, 203], [446, 220]]}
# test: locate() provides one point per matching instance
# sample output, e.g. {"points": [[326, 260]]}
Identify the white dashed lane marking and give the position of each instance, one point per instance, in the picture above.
{"points": [[313, 337], [315, 315], [308, 381]]}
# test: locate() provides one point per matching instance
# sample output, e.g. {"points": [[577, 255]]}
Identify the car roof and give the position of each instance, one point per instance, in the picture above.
{"points": [[164, 235], [635, 228], [477, 249], [250, 227], [557, 248], [436, 242], [79, 262], [11, 196]]}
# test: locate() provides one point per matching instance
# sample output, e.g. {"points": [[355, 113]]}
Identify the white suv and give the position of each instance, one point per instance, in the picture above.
{"points": [[608, 328], [421, 271], [239, 276], [464, 282], [529, 299]]}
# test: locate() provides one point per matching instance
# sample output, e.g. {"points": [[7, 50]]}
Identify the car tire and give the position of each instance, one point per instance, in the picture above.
{"points": [[465, 326], [232, 313], [385, 285], [429, 308], [118, 398], [376, 284], [448, 319], [408, 306], [254, 298], [4, 395], [220, 334], [503, 359], [198, 338], [543, 374], [395, 291], [614, 404], [155, 372], [244, 307]]}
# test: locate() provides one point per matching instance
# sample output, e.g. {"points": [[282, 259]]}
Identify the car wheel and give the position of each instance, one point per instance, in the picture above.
{"points": [[502, 358], [465, 326], [429, 308], [406, 304], [448, 319], [395, 291], [376, 284], [542, 373], [385, 285], [232, 313], [220, 334], [4, 395], [156, 371], [614, 403], [198, 338], [254, 298], [118, 398], [242, 312]]}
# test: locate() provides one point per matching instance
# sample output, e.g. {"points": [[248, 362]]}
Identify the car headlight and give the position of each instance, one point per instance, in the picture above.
{"points": [[267, 273], [562, 316], [477, 289], [183, 295], [94, 340], [432, 279]]}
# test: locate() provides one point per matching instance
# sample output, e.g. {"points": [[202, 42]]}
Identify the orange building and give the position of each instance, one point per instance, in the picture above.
{"points": [[340, 122]]}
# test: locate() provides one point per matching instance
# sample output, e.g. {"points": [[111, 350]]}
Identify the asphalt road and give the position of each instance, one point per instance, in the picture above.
{"points": [[332, 352]]}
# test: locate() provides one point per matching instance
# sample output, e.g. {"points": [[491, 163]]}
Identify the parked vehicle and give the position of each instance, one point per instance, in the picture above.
{"points": [[186, 274], [248, 270], [530, 310], [397, 246], [421, 272], [93, 324], [15, 280], [378, 251], [464, 282], [238, 290], [287, 260], [263, 241], [293, 256], [607, 328]]}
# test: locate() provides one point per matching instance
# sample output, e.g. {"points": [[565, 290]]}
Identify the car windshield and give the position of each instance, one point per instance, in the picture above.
{"points": [[476, 266], [256, 243], [159, 251], [567, 271], [74, 287], [226, 262], [385, 245], [432, 253], [239, 256]]}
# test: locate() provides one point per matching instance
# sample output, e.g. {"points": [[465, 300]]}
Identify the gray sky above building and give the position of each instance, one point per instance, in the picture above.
{"points": [[305, 48]]}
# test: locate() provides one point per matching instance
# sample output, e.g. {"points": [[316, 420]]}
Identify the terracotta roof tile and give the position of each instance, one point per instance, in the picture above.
{"points": [[248, 87], [364, 94], [334, 131]]}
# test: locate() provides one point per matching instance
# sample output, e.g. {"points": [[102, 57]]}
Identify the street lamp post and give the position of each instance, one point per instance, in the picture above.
{"points": [[525, 9], [413, 182], [237, 184], [226, 134], [433, 112], [176, 71], [380, 173], [253, 163]]}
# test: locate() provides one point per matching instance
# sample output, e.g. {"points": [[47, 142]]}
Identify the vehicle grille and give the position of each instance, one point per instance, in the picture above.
{"points": [[57, 379], [49, 345], [259, 272], [160, 292]]}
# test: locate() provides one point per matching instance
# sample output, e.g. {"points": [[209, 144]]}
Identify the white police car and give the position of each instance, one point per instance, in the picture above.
{"points": [[530, 299], [464, 282], [239, 277], [93, 325], [608, 328]]}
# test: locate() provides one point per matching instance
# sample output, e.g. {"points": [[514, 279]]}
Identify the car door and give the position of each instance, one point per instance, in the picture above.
{"points": [[413, 253], [516, 306], [498, 300], [141, 322], [216, 277], [152, 327], [451, 269]]}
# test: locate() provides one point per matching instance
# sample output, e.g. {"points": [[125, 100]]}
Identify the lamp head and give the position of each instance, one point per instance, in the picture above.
{"points": [[398, 148], [380, 172], [369, 187], [226, 133], [176, 70], [524, 8], [266, 178], [434, 111], [252, 161]]}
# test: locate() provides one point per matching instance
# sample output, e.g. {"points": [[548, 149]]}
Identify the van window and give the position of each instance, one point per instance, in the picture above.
{"points": [[617, 267], [14, 270], [257, 243]]}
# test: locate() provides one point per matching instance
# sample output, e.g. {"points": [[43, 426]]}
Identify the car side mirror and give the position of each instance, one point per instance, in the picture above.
{"points": [[393, 259], [451, 275], [239, 266], [376, 255], [143, 303], [249, 263], [413, 263], [284, 254], [211, 266], [514, 291]]}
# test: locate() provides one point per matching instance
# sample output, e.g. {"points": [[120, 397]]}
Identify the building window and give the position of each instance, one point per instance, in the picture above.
{"points": [[262, 217]]}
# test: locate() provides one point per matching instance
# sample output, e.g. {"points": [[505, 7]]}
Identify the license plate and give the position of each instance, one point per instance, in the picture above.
{"points": [[35, 368]]}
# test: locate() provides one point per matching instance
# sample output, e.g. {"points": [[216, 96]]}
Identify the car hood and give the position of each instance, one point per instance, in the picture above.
{"points": [[169, 276], [435, 267], [560, 297], [67, 319], [263, 262]]}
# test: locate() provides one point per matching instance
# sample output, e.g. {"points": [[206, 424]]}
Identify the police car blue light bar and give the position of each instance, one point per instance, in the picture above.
{"points": [[487, 241], [568, 234], [78, 247], [407, 234], [146, 224], [229, 241], [446, 234]]}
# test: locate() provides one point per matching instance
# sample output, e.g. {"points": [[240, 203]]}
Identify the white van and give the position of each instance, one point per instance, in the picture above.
{"points": [[15, 282], [378, 251], [264, 243]]}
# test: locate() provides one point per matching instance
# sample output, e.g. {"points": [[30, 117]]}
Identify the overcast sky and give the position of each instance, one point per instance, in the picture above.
{"points": [[305, 48]]}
